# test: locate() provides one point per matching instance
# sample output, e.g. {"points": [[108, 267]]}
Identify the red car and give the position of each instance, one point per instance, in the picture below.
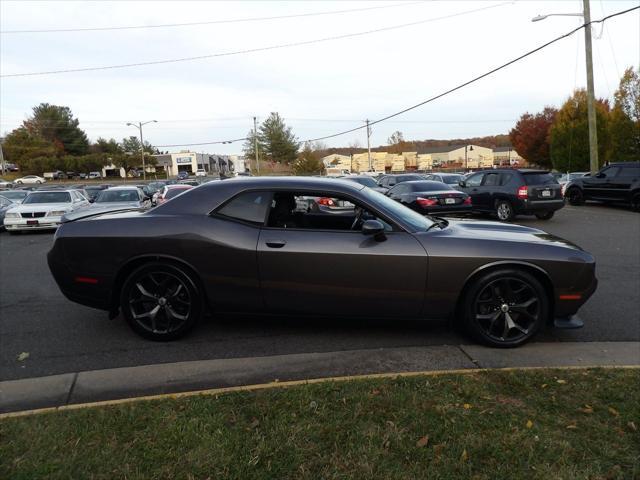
{"points": [[170, 191]]}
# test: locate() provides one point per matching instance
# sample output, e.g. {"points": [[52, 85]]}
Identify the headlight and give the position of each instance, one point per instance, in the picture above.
{"points": [[11, 215], [56, 213]]}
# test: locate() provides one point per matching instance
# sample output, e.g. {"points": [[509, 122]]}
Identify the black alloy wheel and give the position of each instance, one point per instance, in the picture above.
{"points": [[160, 301], [544, 215], [575, 196], [506, 308], [504, 211]]}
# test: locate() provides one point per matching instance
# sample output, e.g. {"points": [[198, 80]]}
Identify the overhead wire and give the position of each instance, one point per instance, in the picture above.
{"points": [[256, 49], [210, 22], [440, 95]]}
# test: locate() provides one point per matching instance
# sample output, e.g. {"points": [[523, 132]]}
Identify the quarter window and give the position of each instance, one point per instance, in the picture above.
{"points": [[629, 172], [248, 207]]}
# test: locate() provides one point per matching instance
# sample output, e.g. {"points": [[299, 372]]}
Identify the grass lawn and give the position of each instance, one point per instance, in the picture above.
{"points": [[546, 424]]}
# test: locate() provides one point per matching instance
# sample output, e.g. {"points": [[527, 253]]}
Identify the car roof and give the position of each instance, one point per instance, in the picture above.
{"points": [[624, 164], [123, 187], [444, 174], [54, 190]]}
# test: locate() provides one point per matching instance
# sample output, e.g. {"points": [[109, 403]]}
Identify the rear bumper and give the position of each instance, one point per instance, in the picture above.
{"points": [[457, 209], [534, 206]]}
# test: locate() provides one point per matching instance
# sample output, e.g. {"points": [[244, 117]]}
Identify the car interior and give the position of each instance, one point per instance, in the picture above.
{"points": [[301, 211]]}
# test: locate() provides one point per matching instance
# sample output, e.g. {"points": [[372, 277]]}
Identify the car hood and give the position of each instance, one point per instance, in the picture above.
{"points": [[40, 207], [496, 231]]}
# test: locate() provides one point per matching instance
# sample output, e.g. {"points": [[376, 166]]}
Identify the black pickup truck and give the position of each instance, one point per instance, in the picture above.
{"points": [[615, 183]]}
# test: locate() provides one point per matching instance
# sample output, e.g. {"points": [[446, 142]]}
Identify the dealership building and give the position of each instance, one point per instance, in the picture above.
{"points": [[186, 161]]}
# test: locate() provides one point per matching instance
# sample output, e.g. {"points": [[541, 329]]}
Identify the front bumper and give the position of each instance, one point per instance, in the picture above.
{"points": [[43, 223]]}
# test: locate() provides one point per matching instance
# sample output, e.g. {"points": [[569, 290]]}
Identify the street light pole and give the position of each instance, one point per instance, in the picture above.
{"points": [[139, 126], [255, 144], [591, 108]]}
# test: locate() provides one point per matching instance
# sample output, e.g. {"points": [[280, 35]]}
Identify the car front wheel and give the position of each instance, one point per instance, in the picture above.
{"points": [[505, 308], [544, 215], [19, 182], [504, 211], [161, 301], [575, 196]]}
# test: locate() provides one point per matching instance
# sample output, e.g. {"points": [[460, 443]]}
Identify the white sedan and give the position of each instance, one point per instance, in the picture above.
{"points": [[30, 179], [42, 210]]}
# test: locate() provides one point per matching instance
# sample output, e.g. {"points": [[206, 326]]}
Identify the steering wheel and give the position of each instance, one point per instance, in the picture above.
{"points": [[358, 211]]}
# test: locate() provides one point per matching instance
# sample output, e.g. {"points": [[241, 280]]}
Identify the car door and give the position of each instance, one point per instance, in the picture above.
{"points": [[472, 187], [619, 186], [487, 191], [341, 272], [598, 186], [396, 192]]}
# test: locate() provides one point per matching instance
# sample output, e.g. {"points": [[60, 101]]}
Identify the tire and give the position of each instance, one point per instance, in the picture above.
{"points": [[161, 301], [38, 182], [505, 308], [575, 196], [504, 211], [544, 215], [19, 182]]}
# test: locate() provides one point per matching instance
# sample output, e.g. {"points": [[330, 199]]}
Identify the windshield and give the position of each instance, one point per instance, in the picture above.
{"points": [[174, 192], [15, 195], [366, 181], [398, 211], [452, 179], [48, 197], [110, 196]]}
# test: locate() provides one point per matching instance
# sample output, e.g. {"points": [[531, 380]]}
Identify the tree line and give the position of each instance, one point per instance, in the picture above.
{"points": [[559, 138], [51, 139]]}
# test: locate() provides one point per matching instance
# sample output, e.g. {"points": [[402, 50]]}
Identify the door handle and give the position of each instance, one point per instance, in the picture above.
{"points": [[276, 243]]}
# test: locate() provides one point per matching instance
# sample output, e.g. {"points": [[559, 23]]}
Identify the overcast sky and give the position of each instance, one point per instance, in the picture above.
{"points": [[319, 88]]}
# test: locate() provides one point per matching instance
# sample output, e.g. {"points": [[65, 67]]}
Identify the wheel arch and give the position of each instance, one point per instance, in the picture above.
{"points": [[136, 262], [538, 273]]}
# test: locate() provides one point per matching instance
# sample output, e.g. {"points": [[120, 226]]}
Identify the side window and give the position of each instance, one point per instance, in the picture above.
{"points": [[429, 177], [247, 207], [475, 180], [391, 181], [505, 178], [384, 182], [610, 172], [491, 180], [633, 172], [399, 189], [317, 211]]}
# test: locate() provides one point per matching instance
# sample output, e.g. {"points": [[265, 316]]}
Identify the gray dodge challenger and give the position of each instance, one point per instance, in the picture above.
{"points": [[261, 245]]}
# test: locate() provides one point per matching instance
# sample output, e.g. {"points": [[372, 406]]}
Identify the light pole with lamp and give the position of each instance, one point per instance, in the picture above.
{"points": [[470, 147], [139, 126], [591, 109]]}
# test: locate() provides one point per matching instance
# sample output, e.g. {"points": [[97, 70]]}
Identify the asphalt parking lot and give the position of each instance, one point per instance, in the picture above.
{"points": [[60, 336]]}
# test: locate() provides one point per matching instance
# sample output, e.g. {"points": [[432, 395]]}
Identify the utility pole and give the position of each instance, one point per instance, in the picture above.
{"points": [[255, 143], [591, 107], [369, 145], [139, 126], [2, 166]]}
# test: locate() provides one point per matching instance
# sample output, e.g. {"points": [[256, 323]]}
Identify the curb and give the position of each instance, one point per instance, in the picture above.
{"points": [[173, 380], [294, 383]]}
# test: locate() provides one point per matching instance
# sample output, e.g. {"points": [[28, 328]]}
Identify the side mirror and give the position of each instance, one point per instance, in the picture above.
{"points": [[91, 200], [600, 175], [375, 228], [462, 183]]}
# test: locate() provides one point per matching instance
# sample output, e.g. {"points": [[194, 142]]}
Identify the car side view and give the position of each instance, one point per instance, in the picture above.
{"points": [[510, 192], [615, 183], [253, 245]]}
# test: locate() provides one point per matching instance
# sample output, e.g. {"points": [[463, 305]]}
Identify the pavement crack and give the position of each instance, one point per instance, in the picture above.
{"points": [[73, 384], [473, 360]]}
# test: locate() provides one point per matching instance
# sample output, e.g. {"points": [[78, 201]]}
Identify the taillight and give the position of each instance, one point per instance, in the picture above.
{"points": [[326, 201], [467, 201], [523, 192], [426, 202]]}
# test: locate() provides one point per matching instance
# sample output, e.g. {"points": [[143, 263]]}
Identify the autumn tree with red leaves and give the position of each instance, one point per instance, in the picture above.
{"points": [[530, 136]]}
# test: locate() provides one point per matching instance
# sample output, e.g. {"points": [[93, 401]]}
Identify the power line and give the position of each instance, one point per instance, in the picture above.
{"points": [[258, 49], [209, 22], [447, 92], [479, 77]]}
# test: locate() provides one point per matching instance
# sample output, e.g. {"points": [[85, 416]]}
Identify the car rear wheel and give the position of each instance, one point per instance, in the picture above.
{"points": [[504, 211], [19, 182], [161, 301], [505, 308], [544, 215], [575, 196]]}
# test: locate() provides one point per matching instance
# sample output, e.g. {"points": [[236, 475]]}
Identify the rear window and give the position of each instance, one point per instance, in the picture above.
{"points": [[174, 192], [539, 179], [452, 179]]}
